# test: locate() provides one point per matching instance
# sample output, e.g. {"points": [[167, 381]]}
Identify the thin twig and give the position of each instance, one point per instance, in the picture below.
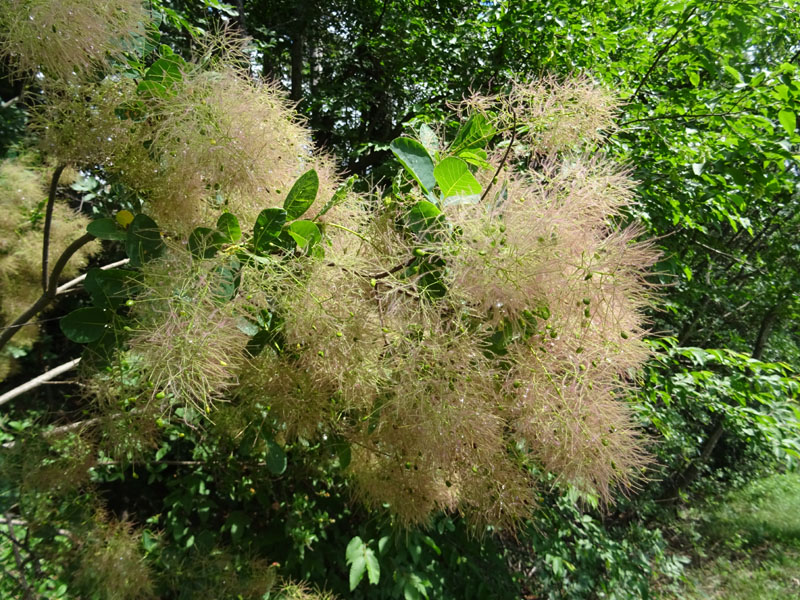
{"points": [[687, 117], [48, 218], [64, 429], [23, 523], [72, 283], [505, 156], [393, 270], [663, 51], [50, 291], [18, 559], [38, 380], [17, 578]]}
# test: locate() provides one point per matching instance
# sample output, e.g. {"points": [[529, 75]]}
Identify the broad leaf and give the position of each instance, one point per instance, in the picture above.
{"points": [[302, 195], [205, 242], [268, 227], [475, 133], [152, 88], [276, 458], [357, 569], [416, 160], [109, 288], [362, 560], [228, 224], [788, 120], [373, 567], [86, 324], [305, 233], [343, 453], [428, 138], [106, 229], [143, 241], [424, 217], [229, 279], [355, 548], [476, 157], [166, 71], [457, 183]]}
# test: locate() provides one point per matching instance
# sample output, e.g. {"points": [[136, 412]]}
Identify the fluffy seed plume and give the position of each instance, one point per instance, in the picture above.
{"points": [[187, 339], [112, 565], [61, 38], [504, 351], [22, 202], [213, 140]]}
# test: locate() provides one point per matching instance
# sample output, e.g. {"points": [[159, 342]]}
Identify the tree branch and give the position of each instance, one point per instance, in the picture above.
{"points": [[39, 380], [48, 218], [50, 290], [18, 559], [662, 52], [684, 117], [73, 282], [505, 157]]}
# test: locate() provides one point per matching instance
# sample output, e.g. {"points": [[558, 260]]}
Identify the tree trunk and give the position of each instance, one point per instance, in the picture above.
{"points": [[298, 43], [767, 323], [688, 475]]}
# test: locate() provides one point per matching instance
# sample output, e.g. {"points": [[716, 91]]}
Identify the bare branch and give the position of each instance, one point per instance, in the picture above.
{"points": [[50, 291], [48, 219], [72, 283], [663, 51], [38, 380], [505, 157]]}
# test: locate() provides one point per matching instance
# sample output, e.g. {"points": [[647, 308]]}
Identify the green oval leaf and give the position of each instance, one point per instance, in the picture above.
{"points": [[229, 279], [305, 233], [276, 458], [106, 229], [165, 71], [205, 242], [110, 288], [476, 158], [475, 133], [373, 567], [152, 88], [416, 160], [457, 183], [302, 195], [788, 120], [143, 240], [268, 226], [354, 556], [343, 453], [423, 217], [228, 225], [86, 325]]}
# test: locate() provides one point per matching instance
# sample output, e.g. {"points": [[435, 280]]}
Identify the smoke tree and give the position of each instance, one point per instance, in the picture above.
{"points": [[445, 340]]}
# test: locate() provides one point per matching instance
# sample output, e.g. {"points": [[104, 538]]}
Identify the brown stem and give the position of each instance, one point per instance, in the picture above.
{"points": [[767, 323], [505, 157], [29, 594], [48, 218], [688, 117], [687, 476], [50, 290], [662, 52], [37, 381]]}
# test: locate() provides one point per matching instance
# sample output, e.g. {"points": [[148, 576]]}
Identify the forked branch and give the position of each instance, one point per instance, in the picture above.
{"points": [[49, 291]]}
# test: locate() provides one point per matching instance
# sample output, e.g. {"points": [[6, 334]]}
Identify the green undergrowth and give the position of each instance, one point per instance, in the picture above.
{"points": [[746, 547]]}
